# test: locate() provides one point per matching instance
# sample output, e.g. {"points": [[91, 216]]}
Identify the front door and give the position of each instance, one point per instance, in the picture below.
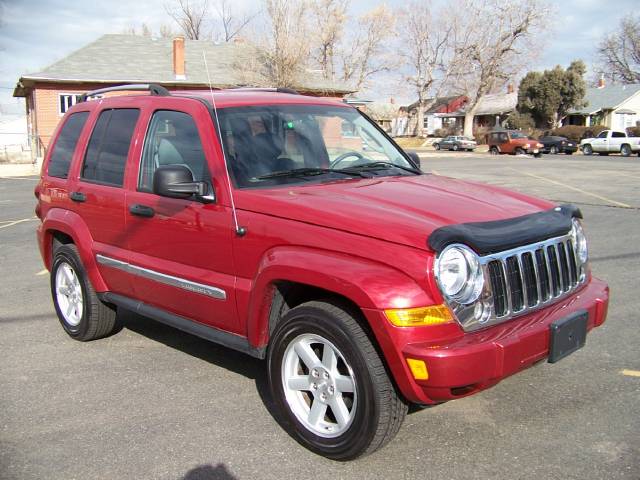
{"points": [[181, 249]]}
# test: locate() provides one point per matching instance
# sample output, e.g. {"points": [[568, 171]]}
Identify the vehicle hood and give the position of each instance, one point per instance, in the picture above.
{"points": [[403, 210], [587, 140]]}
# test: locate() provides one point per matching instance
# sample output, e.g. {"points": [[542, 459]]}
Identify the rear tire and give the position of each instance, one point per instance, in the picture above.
{"points": [[494, 151], [553, 150], [625, 150], [436, 146], [331, 389], [81, 313], [455, 147]]}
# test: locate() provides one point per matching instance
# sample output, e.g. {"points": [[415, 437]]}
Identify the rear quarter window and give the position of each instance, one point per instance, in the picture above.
{"points": [[108, 148], [65, 145]]}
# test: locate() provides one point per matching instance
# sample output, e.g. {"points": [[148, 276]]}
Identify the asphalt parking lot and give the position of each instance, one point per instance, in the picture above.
{"points": [[154, 403]]}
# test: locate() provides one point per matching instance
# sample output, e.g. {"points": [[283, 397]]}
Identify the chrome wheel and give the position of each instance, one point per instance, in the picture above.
{"points": [[319, 385], [69, 294]]}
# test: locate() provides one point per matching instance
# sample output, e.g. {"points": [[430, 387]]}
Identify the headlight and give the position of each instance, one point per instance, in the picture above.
{"points": [[526, 145], [459, 274], [579, 242]]}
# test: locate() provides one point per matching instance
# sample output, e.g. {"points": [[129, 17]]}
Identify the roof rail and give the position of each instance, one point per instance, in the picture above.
{"points": [[290, 91], [152, 88]]}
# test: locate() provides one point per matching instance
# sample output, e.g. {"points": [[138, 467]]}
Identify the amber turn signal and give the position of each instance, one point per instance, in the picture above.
{"points": [[418, 369], [421, 316]]}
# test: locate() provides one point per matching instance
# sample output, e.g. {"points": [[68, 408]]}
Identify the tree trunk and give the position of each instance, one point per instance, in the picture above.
{"points": [[420, 120], [469, 116]]}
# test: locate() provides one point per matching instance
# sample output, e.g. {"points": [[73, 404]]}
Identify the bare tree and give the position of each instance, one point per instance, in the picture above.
{"points": [[428, 54], [363, 54], [232, 24], [619, 52], [165, 31], [328, 17], [191, 17], [493, 42], [285, 46]]}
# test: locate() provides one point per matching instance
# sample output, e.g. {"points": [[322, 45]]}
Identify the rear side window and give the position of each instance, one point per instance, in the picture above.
{"points": [[65, 145], [106, 155], [618, 135]]}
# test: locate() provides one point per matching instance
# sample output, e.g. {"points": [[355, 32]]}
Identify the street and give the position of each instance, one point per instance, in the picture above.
{"points": [[152, 402]]}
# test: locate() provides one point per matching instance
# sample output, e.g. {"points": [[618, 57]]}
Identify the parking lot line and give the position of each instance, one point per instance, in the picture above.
{"points": [[584, 192], [630, 373], [11, 223]]}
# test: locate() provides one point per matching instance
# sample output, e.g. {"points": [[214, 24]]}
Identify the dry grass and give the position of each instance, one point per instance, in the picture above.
{"points": [[410, 142]]}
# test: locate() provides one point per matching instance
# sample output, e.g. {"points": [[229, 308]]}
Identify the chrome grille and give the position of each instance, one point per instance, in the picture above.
{"points": [[531, 276]]}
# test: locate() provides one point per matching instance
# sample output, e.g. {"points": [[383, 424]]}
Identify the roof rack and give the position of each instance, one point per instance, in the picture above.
{"points": [[290, 91], [152, 88]]}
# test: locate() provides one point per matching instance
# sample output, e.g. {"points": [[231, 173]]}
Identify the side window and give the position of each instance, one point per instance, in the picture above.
{"points": [[603, 134], [618, 135], [108, 148], [172, 139], [65, 145]]}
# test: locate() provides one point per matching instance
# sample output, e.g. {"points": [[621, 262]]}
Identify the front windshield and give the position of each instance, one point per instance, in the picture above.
{"points": [[517, 135], [283, 144]]}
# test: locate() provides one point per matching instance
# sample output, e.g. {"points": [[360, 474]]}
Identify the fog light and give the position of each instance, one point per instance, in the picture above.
{"points": [[422, 316], [418, 369]]}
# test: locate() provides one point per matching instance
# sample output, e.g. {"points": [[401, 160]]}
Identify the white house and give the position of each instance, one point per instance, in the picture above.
{"points": [[615, 106]]}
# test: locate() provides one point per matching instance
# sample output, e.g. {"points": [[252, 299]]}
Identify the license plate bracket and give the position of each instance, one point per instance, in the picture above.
{"points": [[567, 335]]}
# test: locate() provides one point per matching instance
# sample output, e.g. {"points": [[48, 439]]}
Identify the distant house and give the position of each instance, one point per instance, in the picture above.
{"points": [[407, 116], [120, 59], [492, 111], [382, 113], [614, 106]]}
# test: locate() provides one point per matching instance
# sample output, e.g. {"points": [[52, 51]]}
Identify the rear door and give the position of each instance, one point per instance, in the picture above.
{"points": [[181, 249], [97, 192]]}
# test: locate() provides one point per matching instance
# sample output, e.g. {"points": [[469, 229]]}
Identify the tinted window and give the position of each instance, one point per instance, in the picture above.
{"points": [[603, 134], [109, 146], [64, 147], [618, 134], [172, 139]]}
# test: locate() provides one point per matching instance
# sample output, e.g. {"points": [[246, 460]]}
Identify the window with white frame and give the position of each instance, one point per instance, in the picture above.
{"points": [[68, 100]]}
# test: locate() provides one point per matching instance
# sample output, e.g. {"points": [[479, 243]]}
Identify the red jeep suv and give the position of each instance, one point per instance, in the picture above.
{"points": [[293, 229]]}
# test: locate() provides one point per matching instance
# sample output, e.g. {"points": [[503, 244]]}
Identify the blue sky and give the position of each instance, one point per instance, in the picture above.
{"points": [[35, 33]]}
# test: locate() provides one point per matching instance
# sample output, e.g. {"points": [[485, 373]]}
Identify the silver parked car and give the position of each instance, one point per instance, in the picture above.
{"points": [[455, 143]]}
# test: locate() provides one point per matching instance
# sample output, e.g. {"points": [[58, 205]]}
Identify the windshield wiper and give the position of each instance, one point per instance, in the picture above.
{"points": [[307, 172], [380, 165]]}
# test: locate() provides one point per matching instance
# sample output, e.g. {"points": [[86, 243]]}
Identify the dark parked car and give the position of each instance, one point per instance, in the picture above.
{"points": [[455, 143], [555, 145]]}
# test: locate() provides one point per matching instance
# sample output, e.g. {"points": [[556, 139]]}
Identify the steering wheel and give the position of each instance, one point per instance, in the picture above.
{"points": [[344, 156]]}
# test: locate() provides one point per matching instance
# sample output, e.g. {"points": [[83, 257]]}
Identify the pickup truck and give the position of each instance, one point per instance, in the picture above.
{"points": [[611, 141]]}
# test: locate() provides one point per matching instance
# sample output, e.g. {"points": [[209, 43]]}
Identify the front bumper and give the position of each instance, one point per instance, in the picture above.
{"points": [[475, 361]]}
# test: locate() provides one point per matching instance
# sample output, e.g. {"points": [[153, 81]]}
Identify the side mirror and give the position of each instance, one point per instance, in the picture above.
{"points": [[176, 181], [414, 157]]}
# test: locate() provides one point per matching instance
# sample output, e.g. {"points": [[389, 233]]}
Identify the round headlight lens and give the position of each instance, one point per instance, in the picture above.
{"points": [[460, 274], [579, 242]]}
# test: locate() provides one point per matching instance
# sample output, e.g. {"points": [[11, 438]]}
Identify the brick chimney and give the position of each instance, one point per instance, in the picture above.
{"points": [[178, 58], [601, 82], [510, 88]]}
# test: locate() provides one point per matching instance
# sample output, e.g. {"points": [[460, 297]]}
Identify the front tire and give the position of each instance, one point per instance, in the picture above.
{"points": [[587, 150], [436, 146], [81, 313], [519, 151], [553, 150], [455, 147], [332, 392]]}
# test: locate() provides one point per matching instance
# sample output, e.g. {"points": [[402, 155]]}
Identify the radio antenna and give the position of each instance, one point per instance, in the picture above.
{"points": [[240, 231]]}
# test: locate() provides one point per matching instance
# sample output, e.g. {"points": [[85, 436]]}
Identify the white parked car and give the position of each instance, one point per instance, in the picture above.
{"points": [[611, 141]]}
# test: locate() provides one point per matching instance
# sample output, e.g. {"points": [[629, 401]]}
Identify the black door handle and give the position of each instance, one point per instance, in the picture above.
{"points": [[141, 210], [78, 197]]}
